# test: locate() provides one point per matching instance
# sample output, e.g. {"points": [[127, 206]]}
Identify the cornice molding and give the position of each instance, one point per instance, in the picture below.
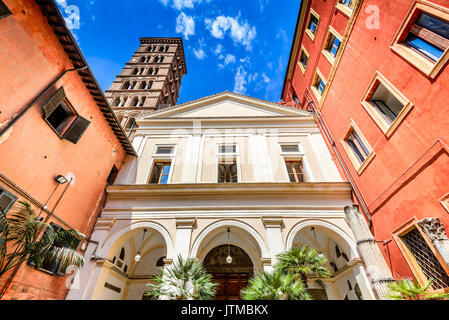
{"points": [[246, 189]]}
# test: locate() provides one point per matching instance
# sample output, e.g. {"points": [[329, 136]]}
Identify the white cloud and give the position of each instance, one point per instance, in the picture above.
{"points": [[199, 53], [72, 19], [253, 77], [240, 81], [181, 4], [185, 25], [241, 33], [265, 78], [229, 59], [218, 50], [262, 4]]}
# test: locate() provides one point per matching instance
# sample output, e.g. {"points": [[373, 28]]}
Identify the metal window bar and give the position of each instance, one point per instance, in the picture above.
{"points": [[425, 258]]}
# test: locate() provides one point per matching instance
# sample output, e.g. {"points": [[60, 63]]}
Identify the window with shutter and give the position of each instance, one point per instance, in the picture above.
{"points": [[76, 130], [52, 267], [4, 11], [423, 39], [6, 200], [58, 112]]}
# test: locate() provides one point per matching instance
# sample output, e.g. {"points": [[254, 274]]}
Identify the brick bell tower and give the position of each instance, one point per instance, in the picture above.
{"points": [[149, 81]]}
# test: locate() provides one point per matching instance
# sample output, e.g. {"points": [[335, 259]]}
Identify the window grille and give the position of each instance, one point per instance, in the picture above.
{"points": [[425, 258]]}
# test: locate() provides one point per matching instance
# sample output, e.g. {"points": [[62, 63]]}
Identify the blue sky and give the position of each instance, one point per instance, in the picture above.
{"points": [[236, 45]]}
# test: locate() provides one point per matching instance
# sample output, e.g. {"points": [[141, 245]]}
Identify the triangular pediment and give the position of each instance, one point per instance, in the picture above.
{"points": [[227, 105]]}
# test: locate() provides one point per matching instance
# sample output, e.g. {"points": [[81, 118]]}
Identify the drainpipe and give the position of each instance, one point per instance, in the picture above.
{"points": [[332, 142], [22, 113], [376, 267]]}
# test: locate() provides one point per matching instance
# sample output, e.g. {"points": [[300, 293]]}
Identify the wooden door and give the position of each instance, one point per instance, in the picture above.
{"points": [[230, 285]]}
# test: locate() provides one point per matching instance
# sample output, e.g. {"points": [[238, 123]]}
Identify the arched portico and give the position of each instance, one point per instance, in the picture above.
{"points": [[241, 235], [122, 275], [348, 280]]}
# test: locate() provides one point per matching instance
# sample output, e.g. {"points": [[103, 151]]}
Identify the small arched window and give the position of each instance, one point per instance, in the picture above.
{"points": [[135, 102], [116, 102], [122, 254], [337, 251]]}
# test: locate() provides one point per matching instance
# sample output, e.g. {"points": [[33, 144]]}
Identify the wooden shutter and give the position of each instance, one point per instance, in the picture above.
{"points": [[4, 11], [76, 130], [6, 200], [53, 103]]}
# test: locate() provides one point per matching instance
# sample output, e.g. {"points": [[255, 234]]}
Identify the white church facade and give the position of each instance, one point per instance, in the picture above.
{"points": [[219, 175]]}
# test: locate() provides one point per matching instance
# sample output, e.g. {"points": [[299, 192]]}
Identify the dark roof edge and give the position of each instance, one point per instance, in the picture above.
{"points": [[292, 47], [55, 20]]}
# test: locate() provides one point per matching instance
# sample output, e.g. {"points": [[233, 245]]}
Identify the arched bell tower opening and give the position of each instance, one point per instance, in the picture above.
{"points": [[231, 275]]}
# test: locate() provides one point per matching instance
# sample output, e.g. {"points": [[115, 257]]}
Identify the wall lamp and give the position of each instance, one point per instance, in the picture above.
{"points": [[61, 179]]}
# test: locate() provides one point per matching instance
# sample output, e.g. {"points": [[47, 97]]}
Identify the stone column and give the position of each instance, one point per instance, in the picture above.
{"points": [[184, 228], [434, 229], [273, 228], [376, 267]]}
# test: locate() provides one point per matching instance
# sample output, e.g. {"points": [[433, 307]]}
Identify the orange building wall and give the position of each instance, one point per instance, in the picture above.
{"points": [[31, 153], [412, 153]]}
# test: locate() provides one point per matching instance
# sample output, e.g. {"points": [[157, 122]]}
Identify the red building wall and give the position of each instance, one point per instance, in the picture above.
{"points": [[409, 173], [32, 155]]}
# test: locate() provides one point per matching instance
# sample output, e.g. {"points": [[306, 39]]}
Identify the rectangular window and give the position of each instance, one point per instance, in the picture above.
{"points": [[4, 11], [303, 60], [165, 150], [423, 38], [312, 24], [227, 171], [346, 6], [357, 147], [348, 3], [52, 267], [63, 119], [112, 175], [385, 104], [227, 149], [160, 173], [332, 45], [318, 85], [6, 200], [295, 171], [294, 148], [429, 35], [425, 258]]}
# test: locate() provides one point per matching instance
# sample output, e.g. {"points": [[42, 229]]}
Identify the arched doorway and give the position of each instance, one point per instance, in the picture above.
{"points": [[231, 277], [131, 263], [348, 280]]}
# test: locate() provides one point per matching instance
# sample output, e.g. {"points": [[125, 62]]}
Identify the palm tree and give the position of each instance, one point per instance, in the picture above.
{"points": [[275, 286], [411, 290], [24, 237], [185, 280], [302, 262]]}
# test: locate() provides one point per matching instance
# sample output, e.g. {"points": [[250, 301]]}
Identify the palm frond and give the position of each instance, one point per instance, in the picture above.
{"points": [[275, 286], [304, 261], [409, 289], [184, 280]]}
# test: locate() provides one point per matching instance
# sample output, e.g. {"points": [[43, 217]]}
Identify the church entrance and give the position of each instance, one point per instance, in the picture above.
{"points": [[231, 277]]}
